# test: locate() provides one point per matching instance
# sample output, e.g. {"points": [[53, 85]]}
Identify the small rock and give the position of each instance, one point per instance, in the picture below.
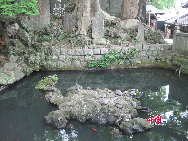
{"points": [[103, 95], [118, 106], [118, 92], [88, 88], [104, 101], [132, 93], [109, 91], [116, 131], [118, 121], [133, 103], [125, 92]]}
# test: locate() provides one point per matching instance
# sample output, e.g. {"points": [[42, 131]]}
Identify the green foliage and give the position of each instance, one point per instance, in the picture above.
{"points": [[64, 35], [47, 81], [154, 37], [29, 7], [133, 32], [109, 58], [70, 7], [162, 4]]}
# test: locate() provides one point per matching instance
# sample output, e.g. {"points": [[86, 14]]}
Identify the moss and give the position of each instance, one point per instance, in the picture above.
{"points": [[184, 70], [180, 60], [164, 64], [66, 68], [48, 81], [137, 93]]}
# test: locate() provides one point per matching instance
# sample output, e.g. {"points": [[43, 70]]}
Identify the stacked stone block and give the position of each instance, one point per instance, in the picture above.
{"points": [[78, 58]]}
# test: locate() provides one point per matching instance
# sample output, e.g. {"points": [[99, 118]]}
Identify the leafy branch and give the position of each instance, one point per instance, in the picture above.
{"points": [[24, 7]]}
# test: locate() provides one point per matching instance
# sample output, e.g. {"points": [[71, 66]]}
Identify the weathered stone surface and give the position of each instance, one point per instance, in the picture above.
{"points": [[68, 23], [98, 57], [71, 51], [67, 64], [10, 66], [79, 58], [76, 64], [83, 64], [56, 52], [129, 23], [98, 25], [63, 51], [115, 7], [86, 104], [9, 77], [100, 41], [125, 49], [136, 125], [43, 19], [88, 58], [130, 9], [25, 24], [96, 51], [13, 59], [12, 30], [140, 35], [116, 49], [104, 50], [79, 52], [88, 52], [24, 36]]}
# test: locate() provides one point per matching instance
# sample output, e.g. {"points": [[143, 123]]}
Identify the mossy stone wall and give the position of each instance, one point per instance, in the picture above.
{"points": [[63, 59]]}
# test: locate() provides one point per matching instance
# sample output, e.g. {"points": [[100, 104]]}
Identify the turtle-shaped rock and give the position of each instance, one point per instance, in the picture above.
{"points": [[118, 92]]}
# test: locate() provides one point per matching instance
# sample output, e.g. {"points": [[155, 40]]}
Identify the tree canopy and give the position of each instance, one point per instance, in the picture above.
{"points": [[26, 7], [162, 4]]}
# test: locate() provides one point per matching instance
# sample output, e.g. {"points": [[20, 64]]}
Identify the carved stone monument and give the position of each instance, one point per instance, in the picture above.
{"points": [[43, 19], [140, 35], [68, 23], [98, 29], [98, 25]]}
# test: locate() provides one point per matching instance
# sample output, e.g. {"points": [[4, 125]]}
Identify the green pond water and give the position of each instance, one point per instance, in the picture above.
{"points": [[22, 107]]}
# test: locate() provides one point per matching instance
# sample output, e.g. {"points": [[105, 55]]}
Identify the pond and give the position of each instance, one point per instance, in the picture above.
{"points": [[22, 107]]}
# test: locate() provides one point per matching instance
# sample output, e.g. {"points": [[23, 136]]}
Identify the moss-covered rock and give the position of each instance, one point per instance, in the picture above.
{"points": [[101, 106]]}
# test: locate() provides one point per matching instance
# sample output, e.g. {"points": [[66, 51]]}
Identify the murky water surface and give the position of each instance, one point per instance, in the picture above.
{"points": [[22, 107]]}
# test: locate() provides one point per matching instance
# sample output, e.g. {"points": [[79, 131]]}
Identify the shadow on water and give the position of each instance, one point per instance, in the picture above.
{"points": [[22, 107]]}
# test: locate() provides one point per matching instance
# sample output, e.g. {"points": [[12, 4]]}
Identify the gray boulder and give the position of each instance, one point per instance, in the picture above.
{"points": [[95, 105]]}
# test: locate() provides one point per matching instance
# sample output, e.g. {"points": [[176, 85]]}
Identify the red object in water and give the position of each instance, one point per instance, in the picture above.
{"points": [[94, 129]]}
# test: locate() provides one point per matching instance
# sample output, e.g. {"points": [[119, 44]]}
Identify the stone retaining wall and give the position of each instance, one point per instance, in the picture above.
{"points": [[180, 41], [64, 59]]}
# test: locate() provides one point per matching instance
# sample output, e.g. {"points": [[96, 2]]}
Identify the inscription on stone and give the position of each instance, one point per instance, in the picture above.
{"points": [[43, 19], [68, 22], [140, 35], [98, 25]]}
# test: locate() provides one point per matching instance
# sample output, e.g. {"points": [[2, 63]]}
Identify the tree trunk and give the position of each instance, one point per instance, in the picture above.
{"points": [[130, 9], [141, 4], [85, 11], [82, 15]]}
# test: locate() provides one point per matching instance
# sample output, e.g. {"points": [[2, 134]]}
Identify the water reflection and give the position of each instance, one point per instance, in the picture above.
{"points": [[177, 121]]}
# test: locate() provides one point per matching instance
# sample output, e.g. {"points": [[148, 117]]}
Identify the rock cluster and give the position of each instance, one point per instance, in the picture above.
{"points": [[100, 106]]}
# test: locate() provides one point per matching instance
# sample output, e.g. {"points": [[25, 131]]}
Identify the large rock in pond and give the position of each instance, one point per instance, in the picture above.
{"points": [[101, 106]]}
